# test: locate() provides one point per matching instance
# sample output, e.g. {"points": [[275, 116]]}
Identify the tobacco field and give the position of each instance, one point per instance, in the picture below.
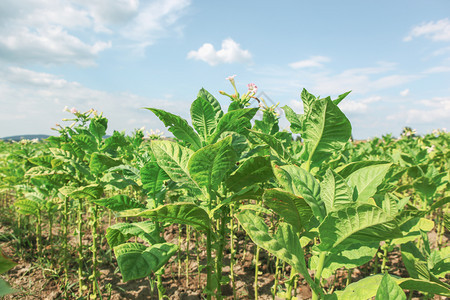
{"points": [[231, 207]]}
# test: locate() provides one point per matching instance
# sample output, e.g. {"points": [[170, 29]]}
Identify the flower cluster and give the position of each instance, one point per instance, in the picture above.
{"points": [[408, 132], [242, 100]]}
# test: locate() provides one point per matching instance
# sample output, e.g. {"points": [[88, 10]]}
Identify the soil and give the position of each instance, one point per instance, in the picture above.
{"points": [[35, 279]]}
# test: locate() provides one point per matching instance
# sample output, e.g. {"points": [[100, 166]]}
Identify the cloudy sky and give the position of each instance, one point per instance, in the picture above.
{"points": [[120, 56]]}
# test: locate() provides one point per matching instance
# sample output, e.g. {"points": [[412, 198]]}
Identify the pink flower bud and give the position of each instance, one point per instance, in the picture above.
{"points": [[252, 88], [73, 110]]}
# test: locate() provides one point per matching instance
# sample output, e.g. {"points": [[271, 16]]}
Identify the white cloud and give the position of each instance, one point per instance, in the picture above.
{"points": [[358, 106], [359, 80], [73, 31], [312, 62], [439, 69], [35, 101], [404, 93], [230, 52], [436, 31], [154, 20]]}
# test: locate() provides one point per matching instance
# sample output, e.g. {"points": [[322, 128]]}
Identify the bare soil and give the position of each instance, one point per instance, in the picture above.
{"points": [[35, 279]]}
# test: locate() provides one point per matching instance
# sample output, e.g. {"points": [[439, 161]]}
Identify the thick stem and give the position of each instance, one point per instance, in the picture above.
{"points": [[291, 284], [232, 252], [277, 275], [322, 257], [186, 261], [65, 240], [80, 247], [383, 263], [209, 263], [94, 251], [219, 256], [255, 284], [39, 234]]}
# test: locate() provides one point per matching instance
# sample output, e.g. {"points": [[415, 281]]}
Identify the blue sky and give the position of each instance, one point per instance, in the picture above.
{"points": [[119, 56]]}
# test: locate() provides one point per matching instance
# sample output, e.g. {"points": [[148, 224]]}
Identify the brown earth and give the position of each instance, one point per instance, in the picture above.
{"points": [[40, 280]]}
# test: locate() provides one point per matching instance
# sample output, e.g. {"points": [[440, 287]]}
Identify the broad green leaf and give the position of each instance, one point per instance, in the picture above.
{"points": [[209, 165], [411, 229], [203, 117], [98, 126], [366, 180], [389, 289], [153, 177], [86, 142], [301, 183], [294, 119], [89, 192], [138, 261], [424, 286], [284, 244], [179, 127], [349, 168], [5, 263], [180, 213], [341, 97], [363, 289], [308, 100], [237, 121], [120, 233], [119, 203], [354, 256], [274, 144], [5, 288], [100, 162], [334, 191], [214, 103], [327, 130], [293, 209], [42, 160], [27, 207], [254, 170], [439, 262], [350, 225], [173, 159]]}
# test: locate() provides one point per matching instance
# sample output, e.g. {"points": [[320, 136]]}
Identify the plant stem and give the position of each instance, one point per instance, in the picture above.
{"points": [[80, 247], [232, 251], [383, 264], [186, 261], [208, 265], [94, 251], [319, 270], [275, 283], [65, 240], [256, 271]]}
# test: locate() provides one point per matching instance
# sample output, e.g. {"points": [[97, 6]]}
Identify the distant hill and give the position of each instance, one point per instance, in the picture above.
{"points": [[25, 136]]}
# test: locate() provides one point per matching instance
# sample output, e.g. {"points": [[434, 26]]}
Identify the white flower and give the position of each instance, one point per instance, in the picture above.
{"points": [[431, 149], [66, 108]]}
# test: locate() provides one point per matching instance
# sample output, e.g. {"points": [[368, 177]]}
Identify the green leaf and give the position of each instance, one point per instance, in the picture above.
{"points": [[173, 159], [180, 213], [120, 233], [341, 97], [153, 178], [348, 169], [42, 160], [203, 117], [213, 101], [86, 142], [100, 162], [327, 130], [308, 100], [179, 127], [98, 126], [365, 288], [209, 165], [354, 256], [138, 261], [274, 144], [5, 263], [292, 208], [366, 180], [439, 262], [389, 289], [424, 286], [334, 191], [359, 224], [119, 203], [27, 207], [254, 170], [284, 244], [236, 121], [5, 288], [89, 192], [301, 183], [294, 119]]}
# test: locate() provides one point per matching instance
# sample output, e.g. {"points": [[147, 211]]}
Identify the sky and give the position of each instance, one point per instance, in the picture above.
{"points": [[121, 56]]}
